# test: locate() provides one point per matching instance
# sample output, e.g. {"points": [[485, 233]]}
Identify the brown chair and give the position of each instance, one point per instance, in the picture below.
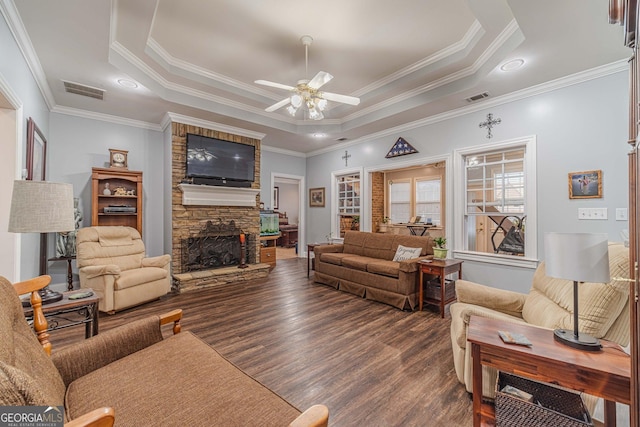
{"points": [[132, 375], [113, 263]]}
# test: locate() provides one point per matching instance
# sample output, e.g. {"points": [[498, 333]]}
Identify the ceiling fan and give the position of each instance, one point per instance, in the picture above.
{"points": [[306, 92]]}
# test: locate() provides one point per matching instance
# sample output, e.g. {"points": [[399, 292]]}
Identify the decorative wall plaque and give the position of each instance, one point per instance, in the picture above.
{"points": [[400, 148]]}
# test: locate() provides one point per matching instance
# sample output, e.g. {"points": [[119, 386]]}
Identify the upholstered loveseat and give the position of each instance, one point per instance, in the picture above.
{"points": [[132, 375], [112, 261], [603, 311], [363, 265]]}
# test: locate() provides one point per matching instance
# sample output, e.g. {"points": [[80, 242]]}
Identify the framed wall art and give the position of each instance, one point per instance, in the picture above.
{"points": [[36, 152], [316, 197], [585, 185]]}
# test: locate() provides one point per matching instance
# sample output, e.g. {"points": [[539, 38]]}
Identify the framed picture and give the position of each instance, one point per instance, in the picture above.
{"points": [[316, 197], [585, 185], [36, 152], [276, 198]]}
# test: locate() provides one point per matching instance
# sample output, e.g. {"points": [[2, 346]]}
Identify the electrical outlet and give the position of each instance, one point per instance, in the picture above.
{"points": [[583, 213]]}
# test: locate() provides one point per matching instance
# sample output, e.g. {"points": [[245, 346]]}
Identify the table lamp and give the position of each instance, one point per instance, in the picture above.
{"points": [[42, 207], [581, 257]]}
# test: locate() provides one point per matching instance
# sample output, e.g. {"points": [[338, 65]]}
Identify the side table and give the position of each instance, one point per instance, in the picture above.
{"points": [[70, 312], [69, 271], [441, 268], [605, 373]]}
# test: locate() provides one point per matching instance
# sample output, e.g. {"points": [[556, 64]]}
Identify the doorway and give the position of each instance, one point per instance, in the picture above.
{"points": [[288, 200], [10, 137]]}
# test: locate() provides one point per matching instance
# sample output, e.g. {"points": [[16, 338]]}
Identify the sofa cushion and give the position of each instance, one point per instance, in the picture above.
{"points": [[334, 257], [185, 360], [138, 276], [378, 245], [357, 262], [550, 302], [386, 268], [26, 366], [404, 253], [354, 242]]}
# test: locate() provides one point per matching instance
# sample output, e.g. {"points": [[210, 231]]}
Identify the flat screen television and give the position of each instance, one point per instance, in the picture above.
{"points": [[219, 160]]}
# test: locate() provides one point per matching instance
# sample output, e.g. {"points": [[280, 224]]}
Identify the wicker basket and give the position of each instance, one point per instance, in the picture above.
{"points": [[552, 406], [432, 289]]}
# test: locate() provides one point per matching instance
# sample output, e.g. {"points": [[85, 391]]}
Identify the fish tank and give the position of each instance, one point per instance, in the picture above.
{"points": [[269, 224]]}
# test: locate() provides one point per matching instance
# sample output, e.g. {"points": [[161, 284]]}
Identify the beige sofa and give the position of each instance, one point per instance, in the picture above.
{"points": [[603, 308], [132, 375], [112, 262], [363, 265]]}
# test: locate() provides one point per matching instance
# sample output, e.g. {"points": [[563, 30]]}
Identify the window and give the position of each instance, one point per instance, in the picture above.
{"points": [[428, 200], [400, 201], [348, 187], [495, 203]]}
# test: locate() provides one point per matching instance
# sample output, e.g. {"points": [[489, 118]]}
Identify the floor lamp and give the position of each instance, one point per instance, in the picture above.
{"points": [[42, 207], [581, 257]]}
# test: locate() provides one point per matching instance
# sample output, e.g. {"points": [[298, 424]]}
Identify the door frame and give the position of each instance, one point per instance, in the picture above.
{"points": [[301, 205]]}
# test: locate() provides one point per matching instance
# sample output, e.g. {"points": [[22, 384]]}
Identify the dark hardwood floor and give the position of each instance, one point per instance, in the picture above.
{"points": [[371, 364]]}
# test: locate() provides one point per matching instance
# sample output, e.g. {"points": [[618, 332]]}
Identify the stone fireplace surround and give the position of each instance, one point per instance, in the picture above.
{"points": [[190, 217]]}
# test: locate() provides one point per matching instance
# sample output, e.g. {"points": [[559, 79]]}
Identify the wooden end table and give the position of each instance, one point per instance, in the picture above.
{"points": [[310, 247], [441, 268], [605, 373], [69, 312]]}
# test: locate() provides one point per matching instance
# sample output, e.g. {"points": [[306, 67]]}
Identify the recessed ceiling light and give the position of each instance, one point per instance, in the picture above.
{"points": [[127, 83], [512, 65], [319, 135]]}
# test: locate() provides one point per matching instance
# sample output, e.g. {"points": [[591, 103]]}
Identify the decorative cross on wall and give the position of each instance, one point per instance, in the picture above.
{"points": [[346, 157], [489, 123]]}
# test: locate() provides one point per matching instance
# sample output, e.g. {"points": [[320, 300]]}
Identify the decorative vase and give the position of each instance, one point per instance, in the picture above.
{"points": [[439, 253]]}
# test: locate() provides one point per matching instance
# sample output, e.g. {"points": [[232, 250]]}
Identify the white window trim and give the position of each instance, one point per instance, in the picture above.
{"points": [[459, 204], [333, 197]]}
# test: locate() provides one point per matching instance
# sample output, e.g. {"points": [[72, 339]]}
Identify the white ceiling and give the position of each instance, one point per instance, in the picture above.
{"points": [[406, 60]]}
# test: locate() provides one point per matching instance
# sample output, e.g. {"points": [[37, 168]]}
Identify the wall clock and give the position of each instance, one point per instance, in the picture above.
{"points": [[118, 158]]}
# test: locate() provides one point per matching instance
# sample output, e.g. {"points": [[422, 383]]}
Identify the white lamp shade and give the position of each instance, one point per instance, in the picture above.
{"points": [[41, 207], [582, 257]]}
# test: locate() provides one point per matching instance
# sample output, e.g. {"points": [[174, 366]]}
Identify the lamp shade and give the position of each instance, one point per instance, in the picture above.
{"points": [[41, 207], [581, 257]]}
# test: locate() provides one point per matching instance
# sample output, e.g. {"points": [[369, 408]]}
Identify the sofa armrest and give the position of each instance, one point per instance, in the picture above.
{"points": [[160, 261], [315, 416], [323, 249], [92, 271], [413, 265], [100, 350], [101, 417], [507, 302]]}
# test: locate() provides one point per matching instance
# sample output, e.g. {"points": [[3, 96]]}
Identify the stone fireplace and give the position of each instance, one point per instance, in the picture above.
{"points": [[208, 220]]}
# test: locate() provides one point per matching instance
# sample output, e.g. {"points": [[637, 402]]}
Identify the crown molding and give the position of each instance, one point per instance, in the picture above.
{"points": [[282, 151], [573, 79], [16, 26], [105, 118]]}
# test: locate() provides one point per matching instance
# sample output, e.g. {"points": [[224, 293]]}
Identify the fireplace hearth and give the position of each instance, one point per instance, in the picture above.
{"points": [[215, 246]]}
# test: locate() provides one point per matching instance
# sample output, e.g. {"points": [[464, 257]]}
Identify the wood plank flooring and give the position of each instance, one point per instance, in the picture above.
{"points": [[371, 364]]}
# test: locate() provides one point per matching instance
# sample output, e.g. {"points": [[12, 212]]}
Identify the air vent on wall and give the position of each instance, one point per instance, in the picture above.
{"points": [[478, 97], [78, 89]]}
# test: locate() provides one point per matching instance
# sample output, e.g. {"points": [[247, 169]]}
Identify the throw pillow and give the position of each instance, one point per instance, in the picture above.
{"points": [[404, 253]]}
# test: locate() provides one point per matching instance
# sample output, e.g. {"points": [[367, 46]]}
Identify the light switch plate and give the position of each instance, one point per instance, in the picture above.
{"points": [[621, 214]]}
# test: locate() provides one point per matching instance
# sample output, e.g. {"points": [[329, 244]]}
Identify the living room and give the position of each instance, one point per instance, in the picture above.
{"points": [[567, 124]]}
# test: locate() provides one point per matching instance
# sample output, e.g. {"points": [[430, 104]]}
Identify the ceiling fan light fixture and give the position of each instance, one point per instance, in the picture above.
{"points": [[314, 114], [296, 100], [292, 110], [321, 103]]}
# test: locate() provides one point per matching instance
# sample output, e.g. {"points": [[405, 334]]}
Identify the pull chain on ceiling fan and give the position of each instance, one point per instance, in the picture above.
{"points": [[306, 92]]}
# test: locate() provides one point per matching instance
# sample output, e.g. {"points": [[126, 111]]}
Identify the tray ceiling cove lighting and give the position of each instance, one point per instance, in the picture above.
{"points": [[306, 95], [581, 257]]}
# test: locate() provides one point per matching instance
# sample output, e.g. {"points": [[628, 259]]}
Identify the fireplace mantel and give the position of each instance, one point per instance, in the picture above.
{"points": [[210, 195]]}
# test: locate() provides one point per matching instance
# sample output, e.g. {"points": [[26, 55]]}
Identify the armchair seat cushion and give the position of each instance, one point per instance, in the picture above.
{"points": [[138, 276], [135, 378]]}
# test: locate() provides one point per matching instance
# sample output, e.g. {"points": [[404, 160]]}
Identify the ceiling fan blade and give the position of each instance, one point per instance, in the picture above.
{"points": [[319, 79], [345, 99], [277, 105], [272, 84]]}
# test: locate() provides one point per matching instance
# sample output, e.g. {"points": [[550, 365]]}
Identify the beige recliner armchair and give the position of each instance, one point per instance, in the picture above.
{"points": [[113, 263], [603, 311]]}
